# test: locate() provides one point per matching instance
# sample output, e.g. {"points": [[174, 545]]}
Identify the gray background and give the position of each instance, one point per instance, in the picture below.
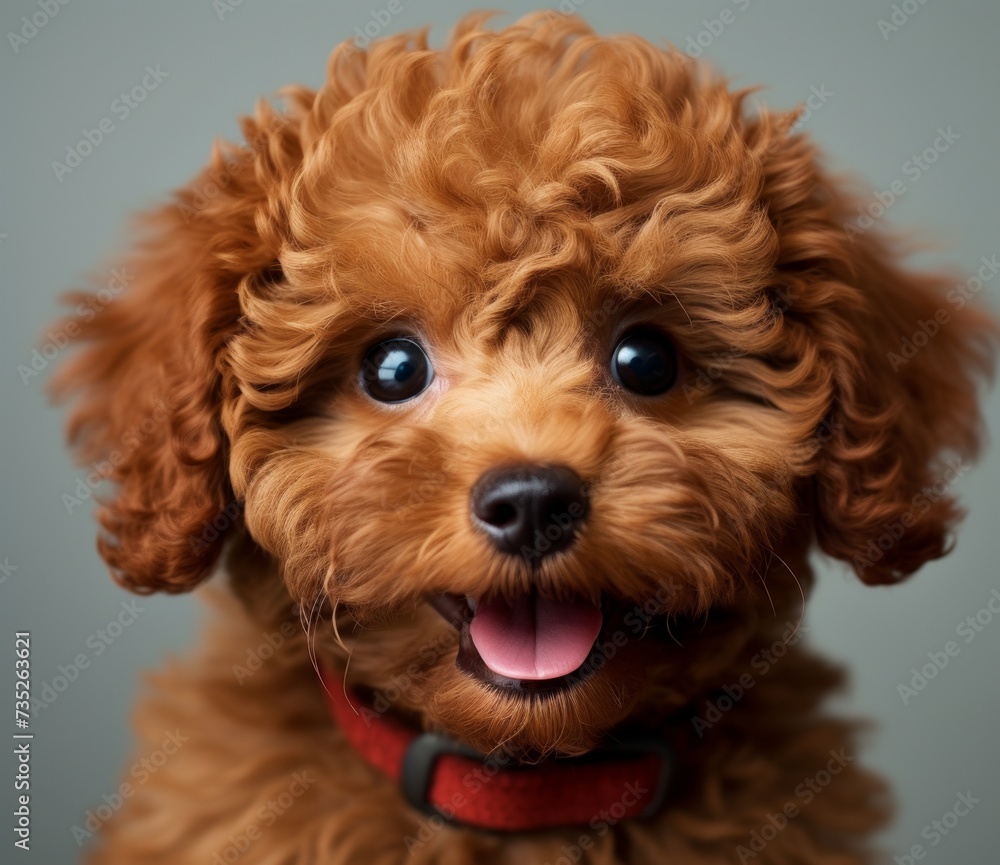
{"points": [[888, 97]]}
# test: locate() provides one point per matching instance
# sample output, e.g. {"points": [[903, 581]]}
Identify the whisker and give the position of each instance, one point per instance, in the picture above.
{"points": [[767, 592], [802, 595], [336, 629], [671, 633], [704, 622], [309, 626], [347, 666]]}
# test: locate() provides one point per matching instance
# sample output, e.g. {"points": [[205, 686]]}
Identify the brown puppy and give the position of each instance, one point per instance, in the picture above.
{"points": [[546, 332]]}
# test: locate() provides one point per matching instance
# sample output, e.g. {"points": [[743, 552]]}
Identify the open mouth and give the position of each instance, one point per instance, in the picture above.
{"points": [[531, 644]]}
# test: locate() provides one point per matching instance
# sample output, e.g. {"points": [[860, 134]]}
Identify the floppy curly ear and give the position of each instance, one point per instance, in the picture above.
{"points": [[907, 361], [147, 381], [900, 358]]}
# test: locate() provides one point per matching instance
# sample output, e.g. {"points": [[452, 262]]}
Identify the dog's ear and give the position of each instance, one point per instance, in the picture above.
{"points": [[147, 380], [906, 362], [899, 357]]}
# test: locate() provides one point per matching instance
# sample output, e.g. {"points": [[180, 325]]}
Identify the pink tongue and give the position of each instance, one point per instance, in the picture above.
{"points": [[534, 638]]}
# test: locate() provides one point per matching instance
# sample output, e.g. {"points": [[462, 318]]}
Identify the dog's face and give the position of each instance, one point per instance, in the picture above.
{"points": [[505, 348]]}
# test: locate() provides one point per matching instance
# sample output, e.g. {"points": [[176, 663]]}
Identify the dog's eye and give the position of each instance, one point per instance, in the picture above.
{"points": [[395, 370], [645, 362]]}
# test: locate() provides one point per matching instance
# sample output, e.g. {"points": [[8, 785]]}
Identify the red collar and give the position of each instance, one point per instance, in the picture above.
{"points": [[441, 776]]}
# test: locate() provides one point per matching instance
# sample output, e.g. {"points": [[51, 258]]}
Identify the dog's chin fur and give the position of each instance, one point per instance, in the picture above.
{"points": [[517, 201]]}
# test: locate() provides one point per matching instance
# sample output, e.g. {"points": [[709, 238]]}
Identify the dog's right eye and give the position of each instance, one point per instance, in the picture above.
{"points": [[645, 362], [396, 370]]}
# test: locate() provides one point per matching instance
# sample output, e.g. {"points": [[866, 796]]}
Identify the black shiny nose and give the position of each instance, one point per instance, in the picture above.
{"points": [[532, 511]]}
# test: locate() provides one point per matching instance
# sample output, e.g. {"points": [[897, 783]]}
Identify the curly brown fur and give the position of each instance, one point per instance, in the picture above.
{"points": [[515, 199]]}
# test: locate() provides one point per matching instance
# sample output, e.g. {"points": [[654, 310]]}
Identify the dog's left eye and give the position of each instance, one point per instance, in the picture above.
{"points": [[396, 370], [645, 362]]}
